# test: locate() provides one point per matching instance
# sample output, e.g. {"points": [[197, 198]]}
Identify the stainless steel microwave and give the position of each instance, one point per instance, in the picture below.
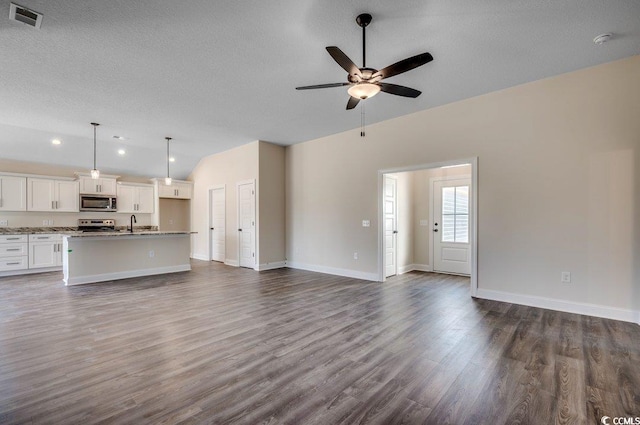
{"points": [[98, 203]]}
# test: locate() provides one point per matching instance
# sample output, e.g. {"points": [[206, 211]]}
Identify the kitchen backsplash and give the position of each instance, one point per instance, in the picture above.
{"points": [[35, 219]]}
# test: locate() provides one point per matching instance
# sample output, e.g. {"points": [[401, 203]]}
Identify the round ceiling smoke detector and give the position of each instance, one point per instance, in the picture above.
{"points": [[602, 38]]}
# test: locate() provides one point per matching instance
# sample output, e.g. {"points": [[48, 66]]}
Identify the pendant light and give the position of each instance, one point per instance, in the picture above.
{"points": [[167, 180], [94, 173]]}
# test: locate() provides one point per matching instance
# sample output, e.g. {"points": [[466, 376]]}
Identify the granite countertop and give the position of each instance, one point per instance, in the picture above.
{"points": [[73, 231], [77, 234]]}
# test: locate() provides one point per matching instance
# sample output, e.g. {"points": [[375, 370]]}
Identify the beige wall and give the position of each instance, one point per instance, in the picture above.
{"points": [[226, 168], [271, 204], [175, 214], [559, 177]]}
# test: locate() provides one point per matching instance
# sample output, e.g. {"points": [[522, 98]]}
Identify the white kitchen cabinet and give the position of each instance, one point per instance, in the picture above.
{"points": [[176, 190], [52, 195], [14, 253], [134, 198], [45, 251], [13, 193], [102, 186]]}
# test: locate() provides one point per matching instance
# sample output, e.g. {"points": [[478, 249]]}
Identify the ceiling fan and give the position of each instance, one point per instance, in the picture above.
{"points": [[367, 82]]}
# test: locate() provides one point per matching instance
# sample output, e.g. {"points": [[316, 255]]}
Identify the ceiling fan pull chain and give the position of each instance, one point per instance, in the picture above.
{"points": [[362, 124]]}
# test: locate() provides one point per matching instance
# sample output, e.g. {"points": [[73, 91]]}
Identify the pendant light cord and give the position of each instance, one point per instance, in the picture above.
{"points": [[94, 124], [168, 139]]}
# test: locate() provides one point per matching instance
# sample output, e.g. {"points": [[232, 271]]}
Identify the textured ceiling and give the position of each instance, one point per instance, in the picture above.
{"points": [[219, 74]]}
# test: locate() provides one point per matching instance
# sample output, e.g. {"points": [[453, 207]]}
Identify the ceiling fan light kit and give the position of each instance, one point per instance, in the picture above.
{"points": [[363, 90], [366, 82]]}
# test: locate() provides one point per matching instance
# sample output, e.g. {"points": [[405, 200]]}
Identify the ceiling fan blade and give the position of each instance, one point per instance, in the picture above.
{"points": [[343, 60], [399, 90], [323, 86], [353, 101], [404, 65]]}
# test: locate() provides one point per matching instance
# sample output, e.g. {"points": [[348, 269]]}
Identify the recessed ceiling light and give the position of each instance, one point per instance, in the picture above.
{"points": [[121, 152], [602, 38], [172, 159], [120, 137], [56, 142]]}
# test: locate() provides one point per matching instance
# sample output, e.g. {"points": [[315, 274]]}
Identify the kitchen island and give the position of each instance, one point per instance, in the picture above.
{"points": [[99, 257]]}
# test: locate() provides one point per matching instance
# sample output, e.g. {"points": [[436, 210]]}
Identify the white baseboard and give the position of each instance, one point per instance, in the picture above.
{"points": [[199, 257], [562, 305], [271, 266], [415, 267], [422, 268], [332, 270], [125, 275], [30, 271], [233, 263]]}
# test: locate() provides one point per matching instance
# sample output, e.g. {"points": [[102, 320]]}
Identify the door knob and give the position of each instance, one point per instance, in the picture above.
{"points": [[213, 228], [239, 230], [435, 230], [395, 232]]}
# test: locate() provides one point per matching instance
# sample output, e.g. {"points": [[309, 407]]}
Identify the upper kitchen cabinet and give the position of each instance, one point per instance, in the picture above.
{"points": [[176, 190], [13, 193], [135, 198], [105, 185], [52, 195]]}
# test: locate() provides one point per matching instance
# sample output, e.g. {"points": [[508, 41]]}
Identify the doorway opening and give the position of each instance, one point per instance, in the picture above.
{"points": [[428, 219]]}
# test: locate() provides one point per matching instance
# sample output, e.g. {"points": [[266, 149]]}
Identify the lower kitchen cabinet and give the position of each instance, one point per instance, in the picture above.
{"points": [[45, 251], [14, 253]]}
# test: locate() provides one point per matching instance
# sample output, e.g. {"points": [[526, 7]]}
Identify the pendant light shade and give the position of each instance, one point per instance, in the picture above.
{"points": [[167, 179], [94, 172]]}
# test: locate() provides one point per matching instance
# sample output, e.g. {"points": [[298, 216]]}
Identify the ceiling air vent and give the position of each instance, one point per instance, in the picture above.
{"points": [[24, 15]]}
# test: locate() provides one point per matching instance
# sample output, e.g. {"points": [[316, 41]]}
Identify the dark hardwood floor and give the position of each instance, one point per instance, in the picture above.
{"points": [[226, 345]]}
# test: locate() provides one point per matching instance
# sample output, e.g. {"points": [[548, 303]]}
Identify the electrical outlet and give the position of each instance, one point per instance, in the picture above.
{"points": [[152, 254], [355, 255], [170, 221], [4, 222], [50, 222], [45, 222], [565, 277], [366, 223]]}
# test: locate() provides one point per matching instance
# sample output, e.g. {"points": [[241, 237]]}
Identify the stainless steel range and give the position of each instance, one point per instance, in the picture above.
{"points": [[96, 225]]}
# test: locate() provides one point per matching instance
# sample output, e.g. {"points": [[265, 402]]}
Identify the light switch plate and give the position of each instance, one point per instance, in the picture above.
{"points": [[4, 222], [366, 223]]}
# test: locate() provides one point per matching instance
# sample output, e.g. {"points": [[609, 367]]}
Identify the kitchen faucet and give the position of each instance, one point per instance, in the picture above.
{"points": [[133, 220]]}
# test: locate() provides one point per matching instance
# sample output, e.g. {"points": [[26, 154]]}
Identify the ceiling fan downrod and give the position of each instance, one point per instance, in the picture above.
{"points": [[363, 20]]}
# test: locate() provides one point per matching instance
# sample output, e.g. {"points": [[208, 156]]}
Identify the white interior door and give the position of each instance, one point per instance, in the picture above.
{"points": [[451, 226], [217, 224], [247, 224], [390, 225]]}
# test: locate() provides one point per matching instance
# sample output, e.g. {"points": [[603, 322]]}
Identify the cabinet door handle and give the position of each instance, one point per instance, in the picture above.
{"points": [[13, 249], [13, 239], [53, 205], [13, 264]]}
